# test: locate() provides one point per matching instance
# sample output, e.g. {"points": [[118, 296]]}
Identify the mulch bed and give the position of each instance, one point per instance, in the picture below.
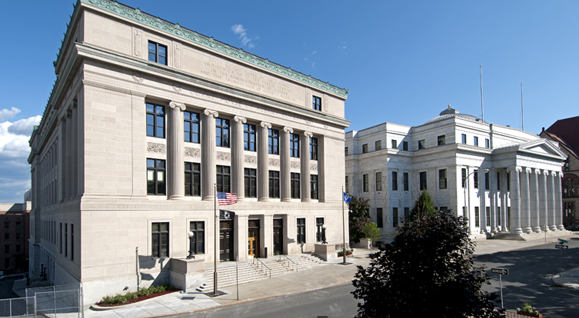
{"points": [[138, 299]]}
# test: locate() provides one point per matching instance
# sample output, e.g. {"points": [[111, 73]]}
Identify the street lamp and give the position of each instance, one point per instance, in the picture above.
{"points": [[468, 202], [324, 234], [191, 235]]}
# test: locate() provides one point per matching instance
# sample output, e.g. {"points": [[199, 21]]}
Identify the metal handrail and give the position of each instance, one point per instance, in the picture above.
{"points": [[260, 264], [287, 260]]}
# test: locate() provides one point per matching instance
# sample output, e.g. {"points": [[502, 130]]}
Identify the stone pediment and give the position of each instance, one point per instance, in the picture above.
{"points": [[542, 147]]}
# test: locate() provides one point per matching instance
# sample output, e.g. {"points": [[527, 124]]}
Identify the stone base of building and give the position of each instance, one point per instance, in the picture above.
{"points": [[531, 236]]}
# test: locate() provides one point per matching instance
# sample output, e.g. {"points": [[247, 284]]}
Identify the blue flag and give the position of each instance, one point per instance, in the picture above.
{"points": [[347, 198]]}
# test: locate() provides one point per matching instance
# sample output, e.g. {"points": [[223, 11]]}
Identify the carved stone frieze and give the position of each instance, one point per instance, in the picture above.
{"points": [[314, 166], [250, 159], [274, 162], [192, 152], [156, 148], [225, 156], [137, 38], [295, 164]]}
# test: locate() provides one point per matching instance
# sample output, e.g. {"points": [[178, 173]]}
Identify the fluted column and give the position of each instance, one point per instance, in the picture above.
{"points": [[237, 156], [534, 200], [285, 174], [305, 167], [525, 204], [543, 199], [516, 200], [504, 201], [263, 162], [559, 201], [208, 172], [551, 201], [482, 196], [493, 198], [175, 137]]}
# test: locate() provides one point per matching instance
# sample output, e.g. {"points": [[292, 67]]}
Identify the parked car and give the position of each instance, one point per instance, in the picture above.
{"points": [[573, 228]]}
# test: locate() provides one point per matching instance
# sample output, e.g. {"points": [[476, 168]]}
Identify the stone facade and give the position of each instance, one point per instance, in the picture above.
{"points": [[145, 119], [504, 179]]}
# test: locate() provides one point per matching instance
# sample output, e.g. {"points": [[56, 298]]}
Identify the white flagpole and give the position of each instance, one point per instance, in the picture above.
{"points": [[215, 239], [344, 223]]}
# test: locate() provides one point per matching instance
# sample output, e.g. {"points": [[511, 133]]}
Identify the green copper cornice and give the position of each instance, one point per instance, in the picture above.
{"points": [[208, 42]]}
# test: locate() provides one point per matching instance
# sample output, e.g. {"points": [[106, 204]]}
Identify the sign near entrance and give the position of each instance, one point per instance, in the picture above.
{"points": [[562, 241], [502, 271], [562, 247]]}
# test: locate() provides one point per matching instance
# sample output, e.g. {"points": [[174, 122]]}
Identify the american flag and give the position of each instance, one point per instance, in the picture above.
{"points": [[226, 198]]}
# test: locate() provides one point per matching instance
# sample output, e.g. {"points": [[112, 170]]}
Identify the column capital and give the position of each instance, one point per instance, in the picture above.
{"points": [[288, 130], [238, 119], [515, 168], [537, 171], [69, 113], [308, 134], [177, 105], [554, 173], [264, 124], [528, 170], [546, 172], [211, 113]]}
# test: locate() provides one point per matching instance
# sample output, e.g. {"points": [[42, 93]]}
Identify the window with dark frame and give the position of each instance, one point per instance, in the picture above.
{"points": [[317, 103], [508, 181], [365, 183], [294, 145], [441, 140], [423, 180], [475, 177], [72, 242], [250, 182], [223, 178], [273, 184], [65, 239], [345, 151], [155, 120], [313, 148], [379, 218], [378, 181], [156, 183], [406, 181], [319, 229], [476, 216], [378, 145], [191, 127], [222, 132], [476, 141], [160, 239], [192, 179], [405, 145], [498, 181], [406, 215], [487, 143], [395, 217], [273, 141], [422, 144], [301, 230], [157, 53], [197, 243], [394, 180], [463, 171], [249, 137], [314, 186], [295, 185], [487, 181], [347, 184], [464, 138], [60, 238], [394, 143], [365, 148], [442, 181]]}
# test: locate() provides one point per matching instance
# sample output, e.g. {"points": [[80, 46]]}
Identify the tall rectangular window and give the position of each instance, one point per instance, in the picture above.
{"points": [[364, 148], [394, 143], [487, 180], [301, 230], [156, 183], [294, 145], [347, 185], [488, 215], [405, 145], [65, 239], [345, 151], [463, 170], [197, 242], [314, 186], [476, 141], [295, 185], [406, 181], [378, 181], [274, 184], [394, 180], [273, 141], [60, 232], [222, 132], [317, 103], [157, 53], [422, 144], [379, 218], [223, 178], [464, 138], [406, 215], [441, 140], [192, 178], [155, 120], [72, 242], [160, 239], [365, 182], [499, 215], [191, 127], [476, 216], [395, 217], [313, 148], [319, 229], [487, 143], [250, 183], [442, 181], [475, 177], [378, 144], [498, 181], [423, 180], [249, 137], [508, 181]]}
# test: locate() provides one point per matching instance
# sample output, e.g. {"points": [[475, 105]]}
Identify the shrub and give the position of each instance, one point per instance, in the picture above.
{"points": [[121, 299]]}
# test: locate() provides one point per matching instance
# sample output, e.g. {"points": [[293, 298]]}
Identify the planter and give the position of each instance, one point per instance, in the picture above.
{"points": [[529, 314]]}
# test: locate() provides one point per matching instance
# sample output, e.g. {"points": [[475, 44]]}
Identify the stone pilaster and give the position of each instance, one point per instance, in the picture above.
{"points": [[175, 141], [263, 162], [285, 170], [493, 198], [482, 196], [237, 156], [208, 150], [68, 155], [305, 166], [516, 226], [74, 152]]}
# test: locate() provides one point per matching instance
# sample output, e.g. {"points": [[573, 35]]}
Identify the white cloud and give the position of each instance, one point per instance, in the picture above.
{"points": [[314, 52], [314, 65], [8, 113], [239, 30], [24, 126]]}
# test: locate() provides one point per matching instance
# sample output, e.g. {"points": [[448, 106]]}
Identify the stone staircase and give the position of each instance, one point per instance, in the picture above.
{"points": [[256, 270]]}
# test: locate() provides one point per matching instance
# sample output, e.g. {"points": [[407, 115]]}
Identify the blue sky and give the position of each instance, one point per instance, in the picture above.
{"points": [[402, 61]]}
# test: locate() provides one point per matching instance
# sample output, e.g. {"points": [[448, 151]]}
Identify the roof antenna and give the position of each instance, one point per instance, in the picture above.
{"points": [[481, 96], [522, 109]]}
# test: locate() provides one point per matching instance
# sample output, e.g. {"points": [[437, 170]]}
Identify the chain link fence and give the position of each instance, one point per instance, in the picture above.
{"points": [[63, 300]]}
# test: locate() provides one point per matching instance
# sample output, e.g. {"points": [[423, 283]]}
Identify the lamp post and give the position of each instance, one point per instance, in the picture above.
{"points": [[465, 198], [324, 234], [190, 235]]}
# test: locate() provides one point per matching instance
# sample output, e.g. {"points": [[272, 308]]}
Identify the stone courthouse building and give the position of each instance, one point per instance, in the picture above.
{"points": [[145, 117], [505, 180]]}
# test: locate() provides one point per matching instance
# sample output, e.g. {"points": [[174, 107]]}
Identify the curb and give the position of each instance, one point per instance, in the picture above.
{"points": [[562, 285], [96, 307]]}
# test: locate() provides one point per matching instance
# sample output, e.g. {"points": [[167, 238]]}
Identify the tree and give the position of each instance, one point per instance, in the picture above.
{"points": [[371, 231], [359, 215], [427, 271], [423, 206]]}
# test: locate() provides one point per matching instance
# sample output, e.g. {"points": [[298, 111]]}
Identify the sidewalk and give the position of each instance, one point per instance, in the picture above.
{"points": [[316, 277]]}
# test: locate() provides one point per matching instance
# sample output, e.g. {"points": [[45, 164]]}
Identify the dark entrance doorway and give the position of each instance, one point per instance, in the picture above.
{"points": [[226, 240], [253, 238], [277, 236]]}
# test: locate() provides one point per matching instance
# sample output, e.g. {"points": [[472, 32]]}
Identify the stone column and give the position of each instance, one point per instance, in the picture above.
{"points": [[208, 170], [525, 201], [305, 167], [68, 155], [551, 201], [534, 201], [74, 152], [543, 199], [559, 201], [482, 197], [285, 173], [493, 199], [61, 161], [504, 201], [237, 157], [263, 162], [516, 200], [175, 136]]}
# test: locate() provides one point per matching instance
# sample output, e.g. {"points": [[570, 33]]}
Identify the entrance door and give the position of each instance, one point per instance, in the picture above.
{"points": [[253, 238], [277, 236], [226, 241]]}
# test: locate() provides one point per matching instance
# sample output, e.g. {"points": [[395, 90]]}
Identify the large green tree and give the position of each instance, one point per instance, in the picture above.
{"points": [[427, 271], [358, 216], [423, 206]]}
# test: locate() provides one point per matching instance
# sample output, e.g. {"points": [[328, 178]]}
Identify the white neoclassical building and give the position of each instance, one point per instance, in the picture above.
{"points": [[505, 180], [145, 117]]}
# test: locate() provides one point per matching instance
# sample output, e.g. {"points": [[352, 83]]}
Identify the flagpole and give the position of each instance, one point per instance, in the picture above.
{"points": [[344, 225], [215, 239]]}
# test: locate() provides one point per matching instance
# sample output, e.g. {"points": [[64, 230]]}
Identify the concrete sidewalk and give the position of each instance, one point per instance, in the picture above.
{"points": [[317, 277]]}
